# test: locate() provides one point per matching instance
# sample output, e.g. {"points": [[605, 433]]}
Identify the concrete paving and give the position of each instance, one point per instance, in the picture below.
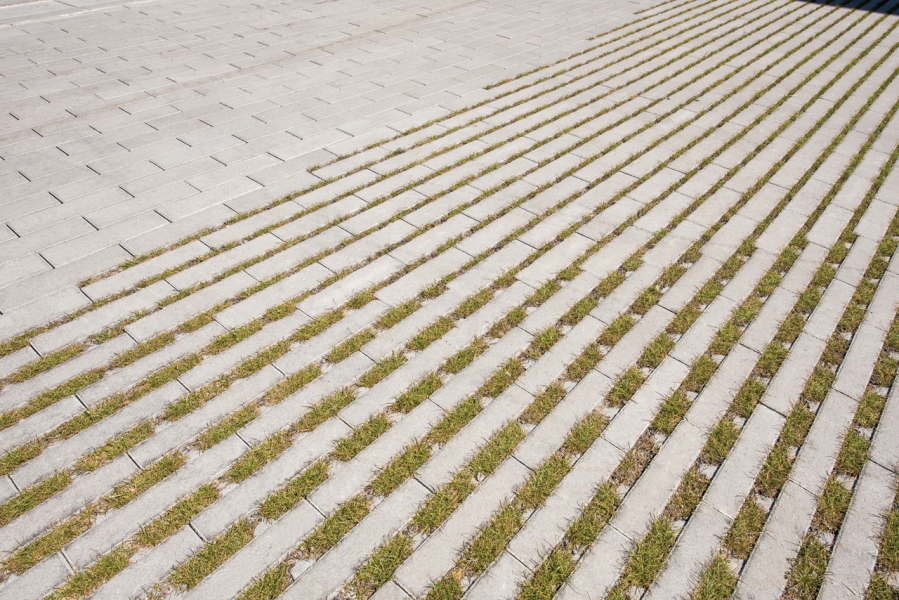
{"points": [[468, 299]]}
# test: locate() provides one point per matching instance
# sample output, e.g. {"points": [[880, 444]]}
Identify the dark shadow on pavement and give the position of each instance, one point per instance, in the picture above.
{"points": [[881, 6]]}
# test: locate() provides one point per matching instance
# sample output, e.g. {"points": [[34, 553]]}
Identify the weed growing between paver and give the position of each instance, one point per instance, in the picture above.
{"points": [[678, 406], [751, 520], [724, 434], [806, 575]]}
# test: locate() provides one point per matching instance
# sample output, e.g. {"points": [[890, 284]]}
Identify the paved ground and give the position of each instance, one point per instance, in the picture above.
{"points": [[467, 299]]}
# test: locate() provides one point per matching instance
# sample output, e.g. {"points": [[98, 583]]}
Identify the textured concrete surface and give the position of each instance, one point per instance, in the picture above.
{"points": [[469, 299]]}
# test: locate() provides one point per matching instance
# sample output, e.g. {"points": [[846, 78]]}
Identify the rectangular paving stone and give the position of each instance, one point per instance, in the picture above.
{"points": [[437, 553], [490, 268], [881, 451], [856, 549], [550, 522], [18, 394], [23, 296], [126, 279], [575, 406], [551, 197], [40, 423], [433, 239], [461, 448], [622, 356], [385, 392], [315, 348], [494, 232], [96, 320], [409, 285], [557, 305], [82, 491], [478, 323], [613, 254], [695, 547], [13, 361], [38, 581], [263, 551], [619, 301], [552, 364], [318, 218], [127, 520], [436, 209], [555, 260], [221, 263], [219, 364], [125, 377], [764, 572], [289, 258], [381, 212], [365, 466], [152, 566], [256, 305], [101, 239], [395, 182], [356, 252], [176, 313], [291, 409], [237, 231], [393, 339], [208, 217], [340, 292], [343, 560], [632, 420], [610, 218], [62, 455], [696, 340], [857, 366], [784, 391], [497, 201]]}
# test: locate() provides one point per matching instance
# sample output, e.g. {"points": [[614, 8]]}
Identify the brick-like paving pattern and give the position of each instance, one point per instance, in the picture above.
{"points": [[474, 299]]}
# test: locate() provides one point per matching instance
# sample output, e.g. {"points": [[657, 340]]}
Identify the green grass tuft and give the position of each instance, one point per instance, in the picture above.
{"points": [[336, 526], [671, 413], [626, 386], [807, 573], [745, 529], [296, 489], [381, 566], [381, 370], [197, 567], [361, 438], [717, 581]]}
